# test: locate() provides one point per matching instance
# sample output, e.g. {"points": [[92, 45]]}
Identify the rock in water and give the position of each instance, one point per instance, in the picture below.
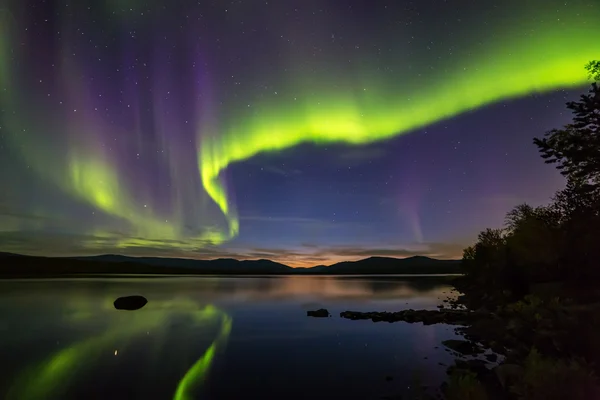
{"points": [[130, 303], [463, 347], [427, 317], [320, 313]]}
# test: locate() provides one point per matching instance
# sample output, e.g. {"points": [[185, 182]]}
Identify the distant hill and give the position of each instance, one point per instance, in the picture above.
{"points": [[20, 265], [185, 265], [388, 265]]}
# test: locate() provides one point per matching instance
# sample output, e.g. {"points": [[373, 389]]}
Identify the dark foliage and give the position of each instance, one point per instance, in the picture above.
{"points": [[576, 147], [537, 276], [554, 243]]}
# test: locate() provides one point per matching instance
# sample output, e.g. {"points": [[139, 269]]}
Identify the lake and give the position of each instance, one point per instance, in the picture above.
{"points": [[217, 338]]}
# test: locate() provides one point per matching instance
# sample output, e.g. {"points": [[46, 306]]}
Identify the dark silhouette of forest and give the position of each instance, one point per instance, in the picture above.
{"points": [[537, 278]]}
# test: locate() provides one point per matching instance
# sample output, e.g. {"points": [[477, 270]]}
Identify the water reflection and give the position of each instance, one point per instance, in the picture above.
{"points": [[64, 340], [347, 287], [380, 287], [51, 377]]}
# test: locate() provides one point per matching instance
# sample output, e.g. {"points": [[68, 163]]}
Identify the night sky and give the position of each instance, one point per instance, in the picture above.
{"points": [[304, 131]]}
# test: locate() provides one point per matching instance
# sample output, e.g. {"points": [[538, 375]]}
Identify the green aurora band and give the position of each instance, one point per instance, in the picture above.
{"points": [[550, 60], [354, 105]]}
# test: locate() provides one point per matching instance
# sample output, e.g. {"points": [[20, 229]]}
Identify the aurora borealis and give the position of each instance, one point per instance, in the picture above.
{"points": [[301, 131]]}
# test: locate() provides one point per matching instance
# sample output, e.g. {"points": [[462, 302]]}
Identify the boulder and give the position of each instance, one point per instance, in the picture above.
{"points": [[130, 303], [320, 313], [463, 347], [427, 317]]}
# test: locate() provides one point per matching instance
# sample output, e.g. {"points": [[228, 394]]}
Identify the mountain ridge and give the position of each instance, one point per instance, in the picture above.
{"points": [[119, 264]]}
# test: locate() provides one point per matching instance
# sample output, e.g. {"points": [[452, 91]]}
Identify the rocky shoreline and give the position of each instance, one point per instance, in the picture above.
{"points": [[427, 317], [477, 358]]}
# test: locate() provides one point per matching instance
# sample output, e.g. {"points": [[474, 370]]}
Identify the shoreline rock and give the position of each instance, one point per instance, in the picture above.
{"points": [[427, 317], [320, 313], [463, 347]]}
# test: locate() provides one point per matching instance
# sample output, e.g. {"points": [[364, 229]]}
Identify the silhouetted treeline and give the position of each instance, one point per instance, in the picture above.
{"points": [[538, 276]]}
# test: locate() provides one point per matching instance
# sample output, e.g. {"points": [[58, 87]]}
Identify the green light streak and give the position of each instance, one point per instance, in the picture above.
{"points": [[526, 52], [96, 182], [50, 377], [87, 172], [531, 63], [197, 372], [53, 374]]}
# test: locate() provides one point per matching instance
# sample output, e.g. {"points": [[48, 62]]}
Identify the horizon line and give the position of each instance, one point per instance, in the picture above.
{"points": [[225, 258]]}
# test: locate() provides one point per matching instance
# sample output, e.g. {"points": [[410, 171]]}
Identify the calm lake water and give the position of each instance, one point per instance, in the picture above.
{"points": [[216, 338]]}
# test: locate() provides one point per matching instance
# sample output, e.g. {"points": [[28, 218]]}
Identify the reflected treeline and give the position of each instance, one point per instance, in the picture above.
{"points": [[390, 284], [333, 287], [124, 348], [212, 288]]}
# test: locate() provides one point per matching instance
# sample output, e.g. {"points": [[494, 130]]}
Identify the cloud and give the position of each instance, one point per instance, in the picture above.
{"points": [[59, 244], [306, 255], [287, 172], [368, 252], [36, 243], [447, 250], [8, 211], [293, 220], [303, 223], [311, 254], [356, 156], [434, 250]]}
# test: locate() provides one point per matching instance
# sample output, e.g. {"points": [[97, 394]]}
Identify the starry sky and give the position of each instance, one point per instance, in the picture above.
{"points": [[303, 131]]}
